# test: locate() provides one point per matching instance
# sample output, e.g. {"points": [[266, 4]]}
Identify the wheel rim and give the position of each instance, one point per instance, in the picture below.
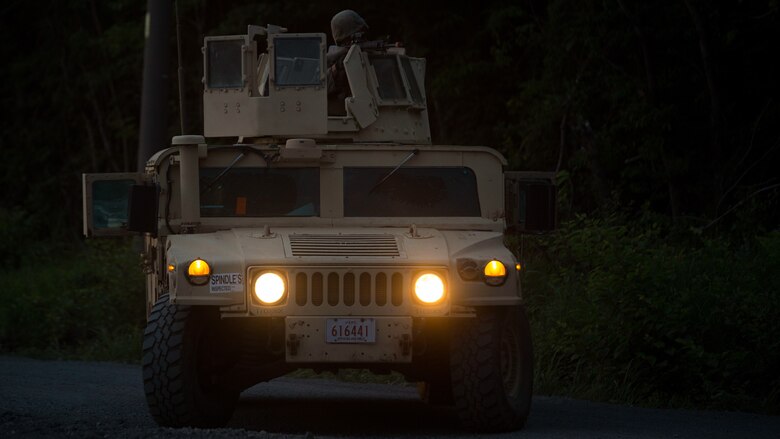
{"points": [[509, 356]]}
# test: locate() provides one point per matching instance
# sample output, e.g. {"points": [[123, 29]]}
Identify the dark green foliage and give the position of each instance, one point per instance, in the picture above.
{"points": [[86, 303], [622, 312], [71, 91], [14, 226]]}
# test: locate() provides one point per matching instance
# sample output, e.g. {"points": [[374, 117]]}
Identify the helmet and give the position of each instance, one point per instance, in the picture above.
{"points": [[345, 25]]}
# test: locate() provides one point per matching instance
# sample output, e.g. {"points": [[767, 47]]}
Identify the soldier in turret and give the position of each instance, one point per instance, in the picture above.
{"points": [[348, 28]]}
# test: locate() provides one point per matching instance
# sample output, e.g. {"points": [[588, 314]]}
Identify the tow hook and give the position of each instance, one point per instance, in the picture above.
{"points": [[293, 343]]}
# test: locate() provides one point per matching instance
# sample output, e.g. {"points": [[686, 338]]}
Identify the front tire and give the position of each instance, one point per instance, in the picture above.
{"points": [[492, 370], [181, 367]]}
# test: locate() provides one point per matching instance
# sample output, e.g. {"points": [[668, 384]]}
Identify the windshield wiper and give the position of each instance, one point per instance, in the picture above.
{"points": [[221, 174], [390, 174], [238, 158]]}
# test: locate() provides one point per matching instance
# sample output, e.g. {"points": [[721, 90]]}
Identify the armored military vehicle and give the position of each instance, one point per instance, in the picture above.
{"points": [[317, 238]]}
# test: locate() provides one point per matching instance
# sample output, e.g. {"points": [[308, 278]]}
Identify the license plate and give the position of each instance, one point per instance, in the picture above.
{"points": [[350, 330]]}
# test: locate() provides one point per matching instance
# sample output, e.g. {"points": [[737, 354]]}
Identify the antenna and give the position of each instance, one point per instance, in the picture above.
{"points": [[182, 108]]}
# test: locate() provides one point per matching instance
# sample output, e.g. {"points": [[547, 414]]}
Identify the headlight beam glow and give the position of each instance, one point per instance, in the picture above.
{"points": [[270, 288], [429, 288]]}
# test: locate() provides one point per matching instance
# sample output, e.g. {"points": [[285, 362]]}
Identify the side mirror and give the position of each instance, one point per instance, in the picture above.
{"points": [[530, 201], [142, 209]]}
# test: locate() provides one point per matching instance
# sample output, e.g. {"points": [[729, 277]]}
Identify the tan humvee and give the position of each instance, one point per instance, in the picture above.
{"points": [[325, 241]]}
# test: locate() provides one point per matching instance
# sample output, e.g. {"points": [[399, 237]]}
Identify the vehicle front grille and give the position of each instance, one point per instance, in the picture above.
{"points": [[362, 287], [348, 245]]}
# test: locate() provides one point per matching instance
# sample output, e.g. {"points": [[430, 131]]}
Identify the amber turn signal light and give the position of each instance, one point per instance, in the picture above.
{"points": [[198, 272], [495, 272]]}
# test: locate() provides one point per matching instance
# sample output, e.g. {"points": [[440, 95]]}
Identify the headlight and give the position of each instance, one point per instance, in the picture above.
{"points": [[198, 272], [495, 273], [270, 288], [429, 288]]}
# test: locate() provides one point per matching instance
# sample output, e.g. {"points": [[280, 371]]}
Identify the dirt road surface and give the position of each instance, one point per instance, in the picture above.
{"points": [[81, 399]]}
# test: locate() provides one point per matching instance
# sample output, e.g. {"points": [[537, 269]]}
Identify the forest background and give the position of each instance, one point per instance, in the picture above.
{"points": [[660, 119]]}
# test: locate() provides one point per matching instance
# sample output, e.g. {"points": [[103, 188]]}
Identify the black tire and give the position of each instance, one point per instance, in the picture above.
{"points": [[180, 364], [492, 370]]}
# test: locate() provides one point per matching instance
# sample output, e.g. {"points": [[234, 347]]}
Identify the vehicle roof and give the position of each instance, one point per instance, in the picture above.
{"points": [[156, 159]]}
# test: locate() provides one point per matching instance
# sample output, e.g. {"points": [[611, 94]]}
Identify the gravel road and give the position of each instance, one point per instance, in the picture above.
{"points": [[81, 399]]}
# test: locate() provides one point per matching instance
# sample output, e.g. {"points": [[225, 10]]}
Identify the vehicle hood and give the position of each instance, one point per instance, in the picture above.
{"points": [[237, 249]]}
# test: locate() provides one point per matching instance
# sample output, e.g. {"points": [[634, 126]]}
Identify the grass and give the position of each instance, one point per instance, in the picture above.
{"points": [[629, 313], [87, 303]]}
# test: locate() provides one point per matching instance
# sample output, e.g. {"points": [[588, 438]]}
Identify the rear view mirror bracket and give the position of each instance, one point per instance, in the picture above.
{"points": [[142, 205]]}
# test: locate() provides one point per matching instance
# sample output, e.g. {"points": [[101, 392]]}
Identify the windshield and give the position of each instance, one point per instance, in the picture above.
{"points": [[224, 64], [297, 61], [260, 192], [411, 192]]}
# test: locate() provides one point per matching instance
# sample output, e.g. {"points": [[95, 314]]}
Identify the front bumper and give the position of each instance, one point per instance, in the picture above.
{"points": [[306, 342]]}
